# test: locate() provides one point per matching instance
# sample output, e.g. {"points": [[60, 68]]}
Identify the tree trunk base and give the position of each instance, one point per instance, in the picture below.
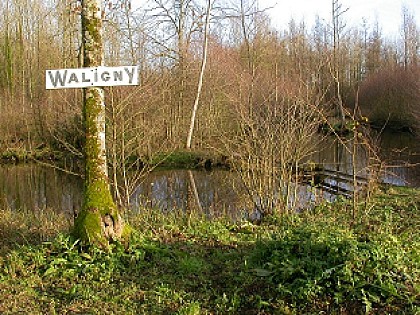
{"points": [[92, 227], [112, 228]]}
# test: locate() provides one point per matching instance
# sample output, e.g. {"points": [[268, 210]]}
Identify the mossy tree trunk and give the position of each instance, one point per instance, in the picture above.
{"points": [[99, 221]]}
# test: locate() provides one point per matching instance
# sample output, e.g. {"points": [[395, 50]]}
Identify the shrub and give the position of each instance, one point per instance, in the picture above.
{"points": [[317, 264], [392, 97]]}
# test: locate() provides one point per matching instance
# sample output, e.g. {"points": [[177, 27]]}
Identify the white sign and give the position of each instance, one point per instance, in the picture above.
{"points": [[87, 77]]}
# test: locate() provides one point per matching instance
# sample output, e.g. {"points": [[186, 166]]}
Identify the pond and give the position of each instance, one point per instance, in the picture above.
{"points": [[216, 192]]}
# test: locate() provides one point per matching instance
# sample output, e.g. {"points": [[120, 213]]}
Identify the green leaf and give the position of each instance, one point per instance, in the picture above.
{"points": [[262, 272], [58, 261], [86, 255], [50, 271]]}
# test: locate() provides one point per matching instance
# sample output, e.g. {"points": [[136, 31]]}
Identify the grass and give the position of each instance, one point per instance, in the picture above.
{"points": [[25, 227], [187, 159], [21, 155], [177, 159], [322, 261]]}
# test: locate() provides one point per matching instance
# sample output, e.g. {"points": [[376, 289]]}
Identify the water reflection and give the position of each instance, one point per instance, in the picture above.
{"points": [[213, 192], [401, 153], [398, 163], [33, 187]]}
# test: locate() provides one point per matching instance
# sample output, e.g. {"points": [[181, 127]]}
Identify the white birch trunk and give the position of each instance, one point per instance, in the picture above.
{"points": [[201, 76]]}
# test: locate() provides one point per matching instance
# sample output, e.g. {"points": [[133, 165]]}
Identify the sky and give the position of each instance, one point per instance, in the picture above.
{"points": [[387, 12]]}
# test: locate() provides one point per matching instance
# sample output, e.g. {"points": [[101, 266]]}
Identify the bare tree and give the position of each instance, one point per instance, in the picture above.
{"points": [[201, 76], [411, 39], [175, 23], [338, 26]]}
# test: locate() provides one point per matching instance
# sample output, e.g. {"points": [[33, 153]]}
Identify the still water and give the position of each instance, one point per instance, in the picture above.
{"points": [[32, 187]]}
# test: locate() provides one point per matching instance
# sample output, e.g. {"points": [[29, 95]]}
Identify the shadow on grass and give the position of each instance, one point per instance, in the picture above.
{"points": [[21, 227], [173, 265], [178, 265]]}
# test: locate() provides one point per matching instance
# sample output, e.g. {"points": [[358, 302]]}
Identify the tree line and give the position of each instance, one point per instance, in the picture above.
{"points": [[215, 75], [249, 64]]}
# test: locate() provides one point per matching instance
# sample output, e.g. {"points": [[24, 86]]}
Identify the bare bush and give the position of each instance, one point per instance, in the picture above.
{"points": [[273, 137], [392, 97]]}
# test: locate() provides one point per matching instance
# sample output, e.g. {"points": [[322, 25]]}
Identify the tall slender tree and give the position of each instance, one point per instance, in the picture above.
{"points": [[99, 221], [411, 39], [337, 28], [201, 76]]}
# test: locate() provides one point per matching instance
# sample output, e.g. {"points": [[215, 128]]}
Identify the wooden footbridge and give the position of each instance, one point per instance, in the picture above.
{"points": [[335, 182]]}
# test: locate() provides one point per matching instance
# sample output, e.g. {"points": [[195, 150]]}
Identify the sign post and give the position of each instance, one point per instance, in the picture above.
{"points": [[91, 77]]}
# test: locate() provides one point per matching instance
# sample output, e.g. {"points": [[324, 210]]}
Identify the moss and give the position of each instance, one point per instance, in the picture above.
{"points": [[93, 30], [87, 228], [186, 159], [127, 232], [92, 35], [98, 196], [98, 202], [180, 159], [99, 222], [93, 156], [93, 25]]}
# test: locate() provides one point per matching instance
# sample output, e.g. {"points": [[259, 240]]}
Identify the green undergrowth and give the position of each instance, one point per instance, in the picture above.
{"points": [[187, 159], [21, 155], [322, 261]]}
